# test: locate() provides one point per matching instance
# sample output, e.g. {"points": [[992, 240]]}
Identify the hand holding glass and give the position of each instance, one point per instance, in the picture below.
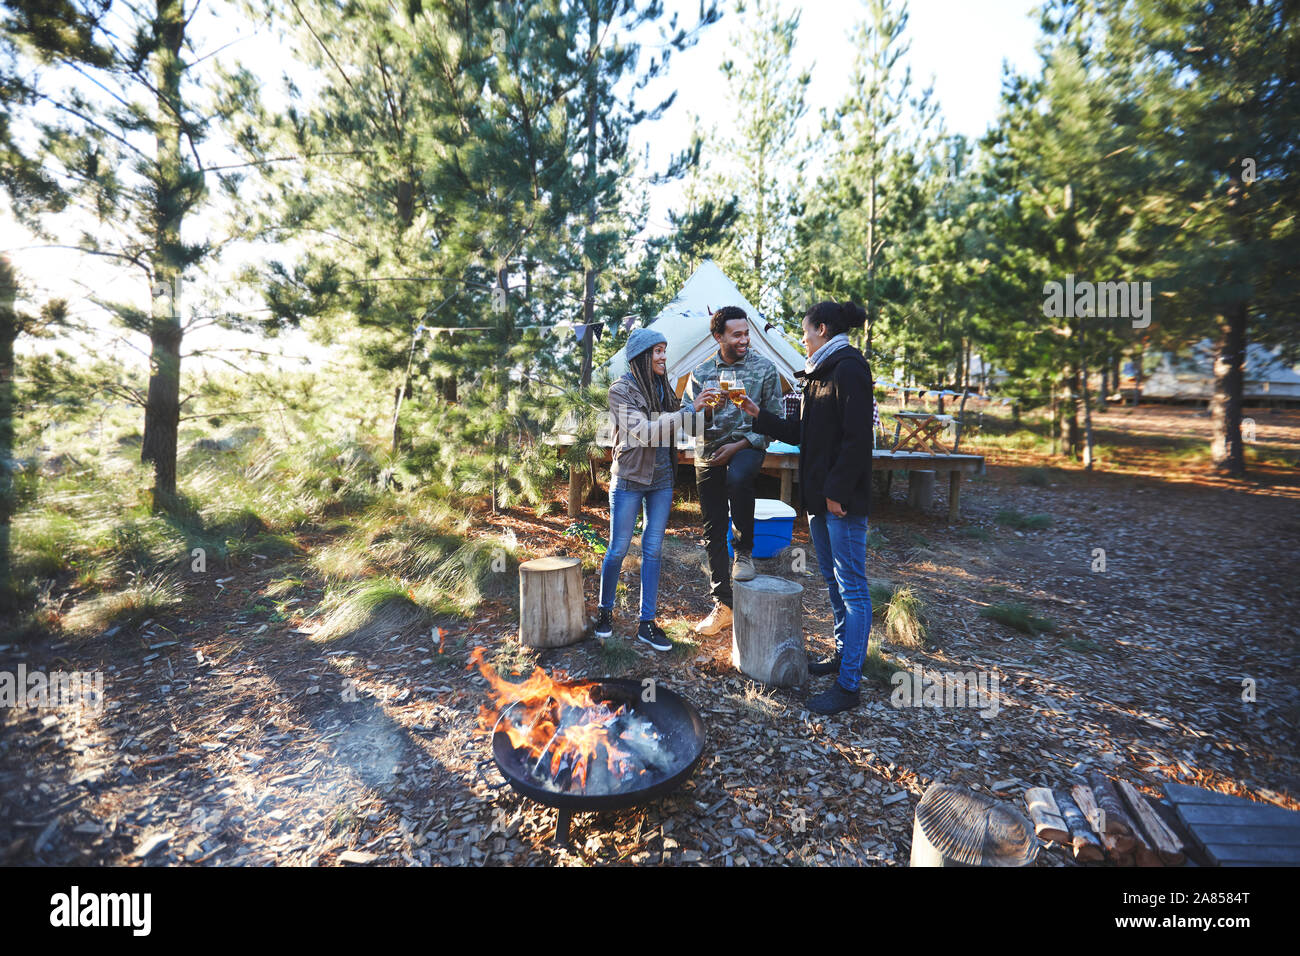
{"points": [[710, 397]]}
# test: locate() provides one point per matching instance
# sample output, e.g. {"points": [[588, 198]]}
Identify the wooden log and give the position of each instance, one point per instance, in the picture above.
{"points": [[1102, 822], [1117, 819], [1048, 822], [920, 490], [1086, 845], [551, 604], [1158, 836], [1118, 856], [767, 631]]}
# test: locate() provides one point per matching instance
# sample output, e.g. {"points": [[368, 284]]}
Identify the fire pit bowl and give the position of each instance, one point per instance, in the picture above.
{"points": [[673, 717]]}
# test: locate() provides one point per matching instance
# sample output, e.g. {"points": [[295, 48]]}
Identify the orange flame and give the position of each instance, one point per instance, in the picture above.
{"points": [[554, 721]]}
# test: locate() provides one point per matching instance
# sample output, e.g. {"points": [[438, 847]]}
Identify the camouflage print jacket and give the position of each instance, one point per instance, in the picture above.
{"points": [[729, 423]]}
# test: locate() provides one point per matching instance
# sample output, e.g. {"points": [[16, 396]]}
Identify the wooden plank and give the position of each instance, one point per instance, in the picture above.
{"points": [[1259, 815], [1180, 793], [905, 461], [1154, 833], [1249, 836], [1236, 855]]}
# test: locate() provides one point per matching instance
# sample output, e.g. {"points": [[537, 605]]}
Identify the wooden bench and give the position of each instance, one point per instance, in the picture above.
{"points": [[1234, 831]]}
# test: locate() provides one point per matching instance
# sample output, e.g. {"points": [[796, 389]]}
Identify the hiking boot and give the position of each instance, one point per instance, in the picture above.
{"points": [[651, 633], [742, 569], [718, 618], [834, 700], [826, 665], [604, 624]]}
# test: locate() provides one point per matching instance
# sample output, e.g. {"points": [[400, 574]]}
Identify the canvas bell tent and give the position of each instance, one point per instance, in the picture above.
{"points": [[684, 322], [1189, 377]]}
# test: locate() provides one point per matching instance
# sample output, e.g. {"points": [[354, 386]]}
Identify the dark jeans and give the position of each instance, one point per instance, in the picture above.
{"points": [[727, 493]]}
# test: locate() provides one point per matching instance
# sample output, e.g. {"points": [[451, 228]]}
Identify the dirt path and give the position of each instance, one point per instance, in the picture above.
{"points": [[232, 734]]}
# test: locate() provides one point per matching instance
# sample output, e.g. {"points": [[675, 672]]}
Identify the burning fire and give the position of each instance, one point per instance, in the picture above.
{"points": [[563, 727]]}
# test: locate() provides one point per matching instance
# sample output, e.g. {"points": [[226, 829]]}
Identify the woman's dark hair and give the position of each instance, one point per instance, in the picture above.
{"points": [[837, 317], [645, 376], [728, 313]]}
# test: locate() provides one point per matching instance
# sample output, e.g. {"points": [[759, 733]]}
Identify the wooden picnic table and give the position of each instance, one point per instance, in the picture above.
{"points": [[919, 431], [786, 466]]}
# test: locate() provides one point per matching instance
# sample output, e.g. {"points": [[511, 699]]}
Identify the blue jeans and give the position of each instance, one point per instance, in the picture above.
{"points": [[624, 505], [841, 546]]}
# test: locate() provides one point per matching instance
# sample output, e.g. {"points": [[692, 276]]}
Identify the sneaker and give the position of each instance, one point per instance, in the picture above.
{"points": [[651, 633], [834, 700], [742, 569], [826, 665], [718, 618], [604, 624]]}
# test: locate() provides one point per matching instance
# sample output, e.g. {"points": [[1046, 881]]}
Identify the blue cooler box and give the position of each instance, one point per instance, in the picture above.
{"points": [[773, 528]]}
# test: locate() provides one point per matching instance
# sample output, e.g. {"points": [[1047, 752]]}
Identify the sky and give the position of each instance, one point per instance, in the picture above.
{"points": [[959, 46]]}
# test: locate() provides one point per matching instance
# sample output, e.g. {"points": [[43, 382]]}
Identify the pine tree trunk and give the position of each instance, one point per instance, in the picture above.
{"points": [[1069, 409], [589, 276], [1082, 378], [8, 335], [1055, 427], [162, 411], [1227, 451], [1137, 377], [1087, 422], [872, 308]]}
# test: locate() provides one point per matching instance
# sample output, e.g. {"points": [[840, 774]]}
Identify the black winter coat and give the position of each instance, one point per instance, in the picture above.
{"points": [[834, 433]]}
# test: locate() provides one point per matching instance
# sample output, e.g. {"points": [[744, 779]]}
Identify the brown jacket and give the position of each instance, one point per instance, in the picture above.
{"points": [[636, 436]]}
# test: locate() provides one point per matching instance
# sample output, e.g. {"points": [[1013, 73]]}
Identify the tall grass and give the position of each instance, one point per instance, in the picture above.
{"points": [[1018, 616], [905, 622], [144, 597], [1022, 522]]}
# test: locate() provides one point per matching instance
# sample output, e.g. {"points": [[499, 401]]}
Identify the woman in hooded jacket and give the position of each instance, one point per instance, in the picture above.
{"points": [[647, 416]]}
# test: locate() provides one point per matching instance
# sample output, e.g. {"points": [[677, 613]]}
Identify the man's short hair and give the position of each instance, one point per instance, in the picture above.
{"points": [[728, 313]]}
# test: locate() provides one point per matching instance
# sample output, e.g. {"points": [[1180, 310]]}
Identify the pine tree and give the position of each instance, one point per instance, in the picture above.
{"points": [[1217, 113], [759, 159], [454, 132], [142, 69], [868, 199]]}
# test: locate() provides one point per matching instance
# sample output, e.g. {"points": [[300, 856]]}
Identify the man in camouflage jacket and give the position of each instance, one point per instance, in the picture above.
{"points": [[729, 456]]}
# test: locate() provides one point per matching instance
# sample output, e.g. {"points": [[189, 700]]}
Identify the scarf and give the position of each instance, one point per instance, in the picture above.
{"points": [[832, 345]]}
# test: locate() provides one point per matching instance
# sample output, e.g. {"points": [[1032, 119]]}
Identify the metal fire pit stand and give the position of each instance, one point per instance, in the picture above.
{"points": [[670, 714], [564, 816]]}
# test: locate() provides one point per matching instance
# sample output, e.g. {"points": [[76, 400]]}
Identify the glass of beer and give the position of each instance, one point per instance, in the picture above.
{"points": [[737, 393], [726, 382], [716, 400]]}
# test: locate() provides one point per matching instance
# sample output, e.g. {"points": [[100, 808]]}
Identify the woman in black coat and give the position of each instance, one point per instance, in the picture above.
{"points": [[834, 435]]}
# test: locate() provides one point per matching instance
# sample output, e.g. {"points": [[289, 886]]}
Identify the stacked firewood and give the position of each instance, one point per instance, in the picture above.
{"points": [[1104, 820]]}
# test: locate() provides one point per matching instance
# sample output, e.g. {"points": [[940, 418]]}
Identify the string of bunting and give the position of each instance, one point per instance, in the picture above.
{"points": [[579, 329]]}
